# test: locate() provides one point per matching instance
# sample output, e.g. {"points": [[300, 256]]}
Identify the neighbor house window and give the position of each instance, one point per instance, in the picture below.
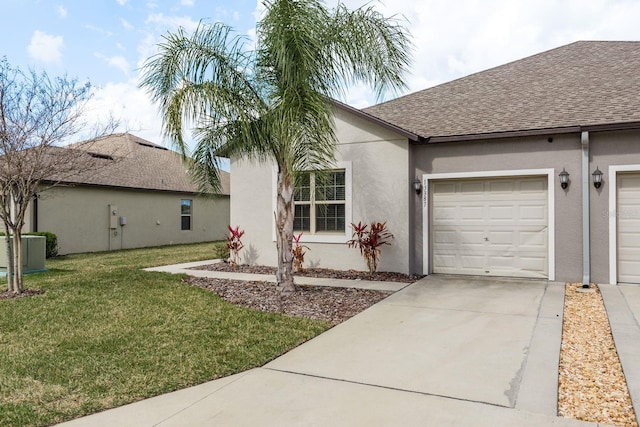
{"points": [[185, 214], [320, 203]]}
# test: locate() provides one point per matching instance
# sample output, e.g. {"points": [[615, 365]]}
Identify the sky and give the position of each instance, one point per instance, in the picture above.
{"points": [[107, 41]]}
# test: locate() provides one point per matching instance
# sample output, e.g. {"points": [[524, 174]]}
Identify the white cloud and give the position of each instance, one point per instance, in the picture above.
{"points": [[126, 24], [452, 42], [128, 104], [45, 47], [122, 2], [187, 2], [62, 12], [171, 22], [118, 62], [98, 30]]}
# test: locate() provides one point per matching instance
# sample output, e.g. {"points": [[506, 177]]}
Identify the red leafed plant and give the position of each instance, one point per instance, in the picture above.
{"points": [[298, 253], [234, 244], [369, 241]]}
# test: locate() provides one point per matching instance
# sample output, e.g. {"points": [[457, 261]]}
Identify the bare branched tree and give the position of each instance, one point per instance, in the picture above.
{"points": [[38, 115]]}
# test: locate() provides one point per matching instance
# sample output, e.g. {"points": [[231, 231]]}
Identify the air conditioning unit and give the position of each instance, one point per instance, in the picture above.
{"points": [[34, 249]]}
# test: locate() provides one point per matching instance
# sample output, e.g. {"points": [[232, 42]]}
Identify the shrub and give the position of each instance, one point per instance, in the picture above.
{"points": [[298, 253], [369, 241], [221, 251], [234, 244]]}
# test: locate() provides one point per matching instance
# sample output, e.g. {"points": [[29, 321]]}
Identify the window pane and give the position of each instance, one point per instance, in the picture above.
{"points": [[333, 188], [185, 207], [303, 188], [186, 223], [302, 218], [330, 217]]}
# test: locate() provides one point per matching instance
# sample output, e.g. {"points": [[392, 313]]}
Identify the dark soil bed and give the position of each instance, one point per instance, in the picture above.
{"points": [[313, 272], [316, 302], [23, 294]]}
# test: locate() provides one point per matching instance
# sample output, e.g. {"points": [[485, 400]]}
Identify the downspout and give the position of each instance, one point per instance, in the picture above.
{"points": [[586, 248]]}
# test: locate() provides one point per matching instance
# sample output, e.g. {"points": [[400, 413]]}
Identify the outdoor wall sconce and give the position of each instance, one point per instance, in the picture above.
{"points": [[564, 179], [417, 186], [597, 177]]}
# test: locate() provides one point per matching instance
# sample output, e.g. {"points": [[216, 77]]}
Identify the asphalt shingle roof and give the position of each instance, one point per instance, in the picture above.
{"points": [[128, 161], [580, 84]]}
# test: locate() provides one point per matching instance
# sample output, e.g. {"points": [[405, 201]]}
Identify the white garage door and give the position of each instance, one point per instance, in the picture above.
{"points": [[629, 228], [490, 227]]}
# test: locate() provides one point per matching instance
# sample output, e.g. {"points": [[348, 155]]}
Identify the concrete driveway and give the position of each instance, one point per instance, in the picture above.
{"points": [[443, 351], [468, 339]]}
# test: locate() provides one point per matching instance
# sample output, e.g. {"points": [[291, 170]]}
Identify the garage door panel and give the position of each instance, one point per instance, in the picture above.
{"points": [[534, 186], [628, 238], [446, 261], [472, 262], [445, 213], [532, 213], [534, 239], [470, 213], [470, 187], [534, 263], [444, 188], [444, 237], [501, 213], [492, 227], [501, 238], [501, 186]]}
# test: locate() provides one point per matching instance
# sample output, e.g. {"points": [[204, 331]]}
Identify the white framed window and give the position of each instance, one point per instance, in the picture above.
{"points": [[322, 207], [186, 213]]}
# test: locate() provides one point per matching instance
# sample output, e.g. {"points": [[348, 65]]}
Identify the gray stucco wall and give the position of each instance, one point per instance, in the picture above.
{"points": [[380, 189], [515, 154], [80, 218]]}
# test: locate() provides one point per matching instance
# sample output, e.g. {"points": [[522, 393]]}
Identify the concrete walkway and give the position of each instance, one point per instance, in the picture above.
{"points": [[300, 280], [623, 309], [444, 351]]}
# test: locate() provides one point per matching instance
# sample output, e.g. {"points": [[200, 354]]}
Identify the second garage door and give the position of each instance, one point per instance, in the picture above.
{"points": [[629, 228], [490, 227]]}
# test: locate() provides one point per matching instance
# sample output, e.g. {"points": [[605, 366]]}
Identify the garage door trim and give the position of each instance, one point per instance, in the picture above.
{"points": [[613, 223], [426, 220]]}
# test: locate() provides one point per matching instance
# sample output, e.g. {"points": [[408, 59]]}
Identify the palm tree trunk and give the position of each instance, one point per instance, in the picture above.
{"points": [[284, 232]]}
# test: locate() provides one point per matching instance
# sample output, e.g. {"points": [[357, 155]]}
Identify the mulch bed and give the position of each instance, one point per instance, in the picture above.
{"points": [[592, 386], [23, 294], [313, 272], [334, 305]]}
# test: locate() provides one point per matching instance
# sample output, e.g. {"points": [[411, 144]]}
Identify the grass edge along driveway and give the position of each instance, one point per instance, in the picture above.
{"points": [[105, 333]]}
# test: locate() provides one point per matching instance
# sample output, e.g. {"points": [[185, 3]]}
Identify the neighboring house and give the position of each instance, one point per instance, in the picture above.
{"points": [[139, 195], [487, 151]]}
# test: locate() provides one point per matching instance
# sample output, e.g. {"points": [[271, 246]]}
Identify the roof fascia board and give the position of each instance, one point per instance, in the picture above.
{"points": [[534, 132], [118, 187], [507, 134]]}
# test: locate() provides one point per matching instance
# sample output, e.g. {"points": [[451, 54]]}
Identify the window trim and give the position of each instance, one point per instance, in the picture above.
{"points": [[190, 215], [323, 237]]}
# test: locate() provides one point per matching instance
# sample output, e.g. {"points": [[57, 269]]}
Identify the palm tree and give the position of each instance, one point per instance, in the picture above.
{"points": [[272, 103]]}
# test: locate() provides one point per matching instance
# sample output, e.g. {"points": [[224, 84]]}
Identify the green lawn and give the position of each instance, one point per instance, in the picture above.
{"points": [[105, 333]]}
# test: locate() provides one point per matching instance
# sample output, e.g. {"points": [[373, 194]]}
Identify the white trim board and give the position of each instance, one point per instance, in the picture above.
{"points": [[613, 217], [426, 220]]}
